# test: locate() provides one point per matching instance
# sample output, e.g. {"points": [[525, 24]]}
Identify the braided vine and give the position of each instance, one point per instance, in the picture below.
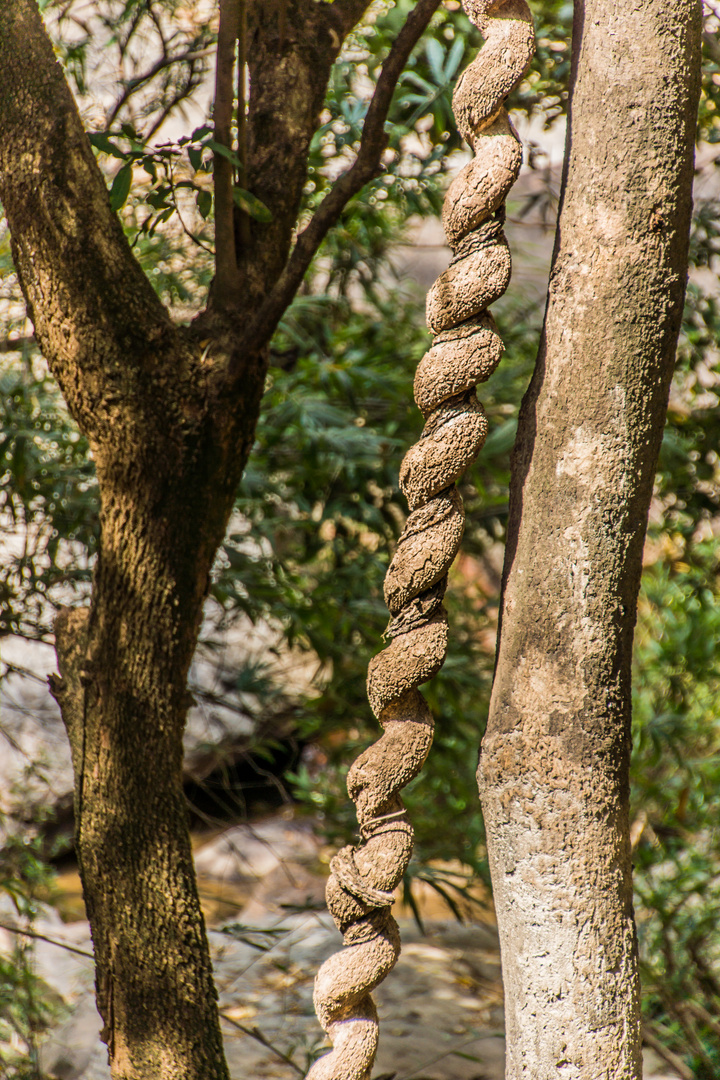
{"points": [[466, 349]]}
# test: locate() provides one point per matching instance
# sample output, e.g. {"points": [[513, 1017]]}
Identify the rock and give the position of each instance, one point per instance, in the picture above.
{"points": [[35, 766], [288, 888], [252, 851]]}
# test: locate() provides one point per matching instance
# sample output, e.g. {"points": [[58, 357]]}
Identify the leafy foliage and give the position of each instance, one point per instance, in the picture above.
{"points": [[28, 1006], [676, 764], [677, 824], [48, 503]]}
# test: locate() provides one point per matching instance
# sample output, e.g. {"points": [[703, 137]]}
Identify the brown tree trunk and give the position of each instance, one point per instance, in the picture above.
{"points": [[122, 691], [553, 770], [169, 442], [170, 415]]}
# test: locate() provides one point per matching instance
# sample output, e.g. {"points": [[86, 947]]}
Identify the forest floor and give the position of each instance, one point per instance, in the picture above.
{"points": [[441, 1010]]}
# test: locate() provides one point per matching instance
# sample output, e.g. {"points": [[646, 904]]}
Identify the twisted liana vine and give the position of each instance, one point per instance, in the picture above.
{"points": [[465, 351]]}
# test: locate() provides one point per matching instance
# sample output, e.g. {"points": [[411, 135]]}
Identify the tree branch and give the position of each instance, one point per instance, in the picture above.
{"points": [[668, 1056], [702, 1014], [350, 12], [365, 167], [43, 937], [95, 314], [138, 81], [242, 135], [256, 1034], [226, 270]]}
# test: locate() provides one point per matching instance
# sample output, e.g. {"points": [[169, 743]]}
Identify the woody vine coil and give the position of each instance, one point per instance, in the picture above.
{"points": [[466, 349]]}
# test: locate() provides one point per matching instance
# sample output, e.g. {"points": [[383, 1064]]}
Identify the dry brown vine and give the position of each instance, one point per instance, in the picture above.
{"points": [[465, 351]]}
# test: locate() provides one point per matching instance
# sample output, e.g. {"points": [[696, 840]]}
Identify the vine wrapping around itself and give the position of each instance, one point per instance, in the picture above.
{"points": [[465, 351]]}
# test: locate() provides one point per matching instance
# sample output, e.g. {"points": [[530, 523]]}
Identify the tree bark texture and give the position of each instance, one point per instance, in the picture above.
{"points": [[167, 465], [170, 414], [553, 770]]}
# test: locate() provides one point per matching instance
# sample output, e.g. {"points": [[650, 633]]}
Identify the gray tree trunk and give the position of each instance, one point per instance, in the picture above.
{"points": [[553, 770]]}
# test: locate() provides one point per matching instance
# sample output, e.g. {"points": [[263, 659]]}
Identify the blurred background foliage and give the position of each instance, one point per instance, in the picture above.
{"points": [[319, 509]]}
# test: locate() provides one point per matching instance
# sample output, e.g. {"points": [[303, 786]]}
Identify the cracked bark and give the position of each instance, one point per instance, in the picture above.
{"points": [[553, 770]]}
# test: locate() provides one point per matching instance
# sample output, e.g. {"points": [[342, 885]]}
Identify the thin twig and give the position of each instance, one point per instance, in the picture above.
{"points": [[241, 118], [685, 1015], [364, 168], [667, 1055], [177, 98], [188, 232], [458, 1047], [702, 1014], [43, 937], [225, 256], [139, 80], [256, 1034]]}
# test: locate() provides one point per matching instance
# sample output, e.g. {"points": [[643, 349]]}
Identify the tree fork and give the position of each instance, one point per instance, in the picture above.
{"points": [[553, 770]]}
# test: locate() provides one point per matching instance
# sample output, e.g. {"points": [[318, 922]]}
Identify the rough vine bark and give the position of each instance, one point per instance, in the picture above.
{"points": [[466, 350]]}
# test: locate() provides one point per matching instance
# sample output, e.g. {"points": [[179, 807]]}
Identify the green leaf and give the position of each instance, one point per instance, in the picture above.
{"points": [[454, 58], [436, 59], [159, 199], [201, 132], [224, 151], [195, 155], [250, 203], [101, 142], [204, 203], [121, 187], [501, 439]]}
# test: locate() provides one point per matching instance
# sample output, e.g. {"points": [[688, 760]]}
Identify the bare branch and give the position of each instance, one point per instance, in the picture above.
{"points": [[226, 275], [134, 84], [241, 102], [242, 135], [256, 1034], [191, 83], [188, 232], [668, 1056], [364, 168], [24, 932], [702, 1014]]}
